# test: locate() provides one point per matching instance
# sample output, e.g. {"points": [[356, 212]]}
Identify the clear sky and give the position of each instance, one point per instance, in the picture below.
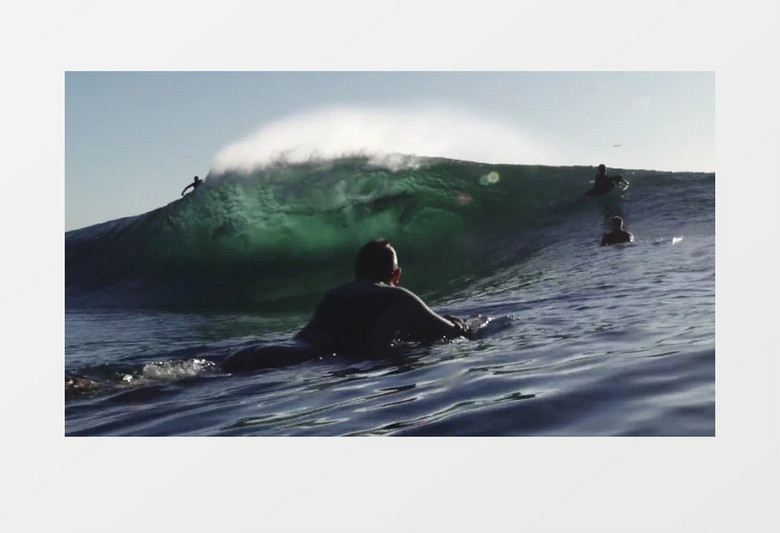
{"points": [[133, 140]]}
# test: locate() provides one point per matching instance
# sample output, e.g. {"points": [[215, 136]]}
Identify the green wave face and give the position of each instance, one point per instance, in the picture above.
{"points": [[280, 236]]}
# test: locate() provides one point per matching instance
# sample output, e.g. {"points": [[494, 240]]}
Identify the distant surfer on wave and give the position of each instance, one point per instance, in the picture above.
{"points": [[195, 184], [362, 317], [618, 235], [603, 184]]}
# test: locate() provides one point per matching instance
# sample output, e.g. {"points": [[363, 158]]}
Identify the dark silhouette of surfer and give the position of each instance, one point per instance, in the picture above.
{"points": [[602, 184], [197, 182], [361, 318], [618, 235]]}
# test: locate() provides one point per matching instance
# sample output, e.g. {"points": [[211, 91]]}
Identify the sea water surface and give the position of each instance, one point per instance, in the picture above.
{"points": [[583, 340]]}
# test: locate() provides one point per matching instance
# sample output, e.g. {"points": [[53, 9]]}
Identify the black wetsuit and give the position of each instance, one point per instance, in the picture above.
{"points": [[616, 237], [195, 184], [603, 184], [364, 316], [359, 319]]}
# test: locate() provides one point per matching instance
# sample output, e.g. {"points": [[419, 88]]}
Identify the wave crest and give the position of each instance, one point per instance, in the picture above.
{"points": [[338, 132]]}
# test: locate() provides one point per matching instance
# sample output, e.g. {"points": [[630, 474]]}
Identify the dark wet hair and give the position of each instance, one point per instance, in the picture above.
{"points": [[602, 166], [375, 261]]}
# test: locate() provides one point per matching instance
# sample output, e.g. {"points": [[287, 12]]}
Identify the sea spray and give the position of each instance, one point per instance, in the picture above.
{"points": [[338, 132]]}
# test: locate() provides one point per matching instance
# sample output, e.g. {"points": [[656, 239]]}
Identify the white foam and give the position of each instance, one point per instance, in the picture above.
{"points": [[174, 370], [334, 132]]}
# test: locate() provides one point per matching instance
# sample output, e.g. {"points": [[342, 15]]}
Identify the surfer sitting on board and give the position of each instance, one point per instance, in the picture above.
{"points": [[618, 235], [362, 317], [603, 184], [195, 184]]}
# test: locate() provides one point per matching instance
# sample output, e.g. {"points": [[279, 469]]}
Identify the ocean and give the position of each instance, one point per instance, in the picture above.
{"points": [[582, 340]]}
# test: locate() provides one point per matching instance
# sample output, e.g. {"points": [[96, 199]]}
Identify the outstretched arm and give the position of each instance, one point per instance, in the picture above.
{"points": [[409, 318], [185, 189], [620, 179]]}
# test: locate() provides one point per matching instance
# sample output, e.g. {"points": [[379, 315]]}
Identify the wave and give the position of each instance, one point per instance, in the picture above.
{"points": [[274, 238]]}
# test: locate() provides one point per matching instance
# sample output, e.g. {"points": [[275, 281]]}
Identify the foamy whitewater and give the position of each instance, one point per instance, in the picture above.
{"points": [[583, 339]]}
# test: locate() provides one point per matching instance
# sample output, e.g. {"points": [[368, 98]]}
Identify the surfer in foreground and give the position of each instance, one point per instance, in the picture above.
{"points": [[618, 235], [602, 184], [363, 317], [195, 184]]}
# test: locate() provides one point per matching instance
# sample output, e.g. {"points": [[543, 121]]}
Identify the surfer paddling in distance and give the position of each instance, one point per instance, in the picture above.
{"points": [[602, 184], [618, 235], [363, 318], [195, 184]]}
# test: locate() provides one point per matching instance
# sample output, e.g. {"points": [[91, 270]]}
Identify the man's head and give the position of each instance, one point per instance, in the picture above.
{"points": [[617, 223], [378, 262], [602, 169]]}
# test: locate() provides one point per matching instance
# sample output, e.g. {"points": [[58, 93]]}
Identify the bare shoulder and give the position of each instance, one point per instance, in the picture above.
{"points": [[406, 296]]}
